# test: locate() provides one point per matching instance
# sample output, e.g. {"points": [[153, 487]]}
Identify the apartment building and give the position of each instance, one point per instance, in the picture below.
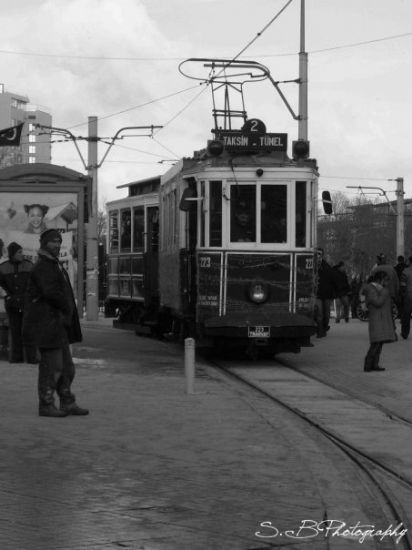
{"points": [[35, 143]]}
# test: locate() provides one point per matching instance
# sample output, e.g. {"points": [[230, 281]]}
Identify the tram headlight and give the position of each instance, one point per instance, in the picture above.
{"points": [[258, 292]]}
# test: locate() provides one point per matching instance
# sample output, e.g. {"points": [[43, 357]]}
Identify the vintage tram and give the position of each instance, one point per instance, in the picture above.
{"points": [[221, 246]]}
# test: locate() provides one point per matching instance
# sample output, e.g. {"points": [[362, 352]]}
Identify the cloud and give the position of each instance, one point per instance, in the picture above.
{"points": [[74, 88]]}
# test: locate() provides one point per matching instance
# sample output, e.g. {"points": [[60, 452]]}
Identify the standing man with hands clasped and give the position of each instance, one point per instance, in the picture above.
{"points": [[52, 323]]}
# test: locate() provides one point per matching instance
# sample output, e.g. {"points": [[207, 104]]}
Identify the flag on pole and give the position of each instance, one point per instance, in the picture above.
{"points": [[10, 137]]}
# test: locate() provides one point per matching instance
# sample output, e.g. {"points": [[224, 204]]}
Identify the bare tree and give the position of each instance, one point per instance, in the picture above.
{"points": [[101, 226], [357, 231]]}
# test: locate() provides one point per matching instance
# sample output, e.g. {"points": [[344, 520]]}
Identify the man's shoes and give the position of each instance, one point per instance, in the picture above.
{"points": [[74, 409], [375, 369], [51, 411]]}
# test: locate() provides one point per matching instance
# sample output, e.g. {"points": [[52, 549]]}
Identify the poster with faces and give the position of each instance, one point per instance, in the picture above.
{"points": [[24, 216]]}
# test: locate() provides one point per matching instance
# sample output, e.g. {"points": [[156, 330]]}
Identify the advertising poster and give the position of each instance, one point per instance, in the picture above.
{"points": [[24, 216]]}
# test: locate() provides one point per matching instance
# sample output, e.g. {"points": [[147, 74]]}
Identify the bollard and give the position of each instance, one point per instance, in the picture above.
{"points": [[190, 364]]}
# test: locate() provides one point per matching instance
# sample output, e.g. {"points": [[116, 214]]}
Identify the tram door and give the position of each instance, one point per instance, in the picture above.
{"points": [[151, 258]]}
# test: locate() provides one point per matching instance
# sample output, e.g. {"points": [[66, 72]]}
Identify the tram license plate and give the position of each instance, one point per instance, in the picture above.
{"points": [[258, 332]]}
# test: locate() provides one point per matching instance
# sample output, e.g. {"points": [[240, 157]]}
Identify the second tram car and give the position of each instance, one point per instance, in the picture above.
{"points": [[132, 252]]}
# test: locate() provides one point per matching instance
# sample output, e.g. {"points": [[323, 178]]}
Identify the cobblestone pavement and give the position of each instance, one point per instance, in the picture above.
{"points": [[151, 467]]}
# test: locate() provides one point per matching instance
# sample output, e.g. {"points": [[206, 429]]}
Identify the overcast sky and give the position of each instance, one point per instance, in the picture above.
{"points": [[118, 60]]}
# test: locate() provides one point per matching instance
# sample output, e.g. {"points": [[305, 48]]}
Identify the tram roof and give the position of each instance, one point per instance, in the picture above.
{"points": [[140, 187], [139, 182]]}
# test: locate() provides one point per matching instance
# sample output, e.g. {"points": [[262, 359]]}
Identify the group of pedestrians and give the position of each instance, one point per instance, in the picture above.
{"points": [[14, 276], [43, 321], [388, 289]]}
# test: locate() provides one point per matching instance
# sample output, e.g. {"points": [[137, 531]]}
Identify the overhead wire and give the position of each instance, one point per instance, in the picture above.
{"points": [[252, 41], [165, 148], [260, 55], [139, 106], [258, 35]]}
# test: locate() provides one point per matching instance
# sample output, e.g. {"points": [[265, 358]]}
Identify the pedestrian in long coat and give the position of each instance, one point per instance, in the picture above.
{"points": [[52, 323], [14, 275], [381, 330]]}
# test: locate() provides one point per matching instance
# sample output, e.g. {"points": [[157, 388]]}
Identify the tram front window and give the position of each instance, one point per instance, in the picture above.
{"points": [[242, 213], [273, 214]]}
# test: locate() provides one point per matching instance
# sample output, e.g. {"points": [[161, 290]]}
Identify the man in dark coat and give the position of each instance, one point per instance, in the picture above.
{"points": [[325, 293], [400, 266], [52, 323], [14, 276]]}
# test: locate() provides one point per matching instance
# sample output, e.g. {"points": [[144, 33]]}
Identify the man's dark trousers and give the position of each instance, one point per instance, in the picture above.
{"points": [[56, 374]]}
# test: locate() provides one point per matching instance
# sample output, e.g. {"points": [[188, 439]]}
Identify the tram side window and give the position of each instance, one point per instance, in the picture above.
{"points": [[138, 228], [301, 213], [243, 213], [273, 213], [153, 229], [125, 230], [202, 214], [215, 219], [114, 232]]}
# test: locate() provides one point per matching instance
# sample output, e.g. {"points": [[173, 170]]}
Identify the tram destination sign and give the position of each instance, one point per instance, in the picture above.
{"points": [[252, 138]]}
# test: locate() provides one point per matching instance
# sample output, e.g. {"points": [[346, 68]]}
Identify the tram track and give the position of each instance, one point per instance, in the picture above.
{"points": [[385, 410], [388, 479]]}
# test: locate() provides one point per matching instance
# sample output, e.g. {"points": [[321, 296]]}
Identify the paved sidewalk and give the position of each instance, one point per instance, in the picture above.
{"points": [[151, 467]]}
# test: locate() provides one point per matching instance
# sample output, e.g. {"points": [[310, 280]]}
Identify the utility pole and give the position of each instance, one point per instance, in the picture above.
{"points": [[400, 218], [92, 263], [303, 79], [92, 167]]}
